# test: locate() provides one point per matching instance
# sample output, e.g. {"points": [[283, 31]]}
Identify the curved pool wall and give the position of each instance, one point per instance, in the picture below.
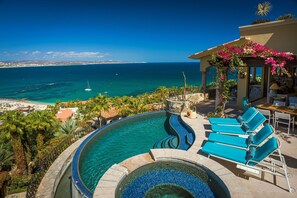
{"points": [[181, 136], [80, 189], [149, 181]]}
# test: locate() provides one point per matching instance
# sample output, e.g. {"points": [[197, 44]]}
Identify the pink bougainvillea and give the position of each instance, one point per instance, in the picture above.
{"points": [[230, 58], [272, 57]]}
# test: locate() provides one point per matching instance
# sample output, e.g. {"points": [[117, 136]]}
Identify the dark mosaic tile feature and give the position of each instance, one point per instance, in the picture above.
{"points": [[141, 185], [178, 130]]}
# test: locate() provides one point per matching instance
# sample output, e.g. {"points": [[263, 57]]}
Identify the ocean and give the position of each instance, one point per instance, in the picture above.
{"points": [[64, 83]]}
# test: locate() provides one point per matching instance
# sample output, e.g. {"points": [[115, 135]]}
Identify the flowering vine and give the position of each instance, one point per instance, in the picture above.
{"points": [[230, 58]]}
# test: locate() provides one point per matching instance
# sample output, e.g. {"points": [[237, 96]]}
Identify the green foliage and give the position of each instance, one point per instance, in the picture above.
{"points": [[19, 184], [285, 16], [67, 128], [6, 158], [260, 21], [13, 124], [212, 85], [263, 8], [42, 125], [231, 83], [13, 127], [258, 79]]}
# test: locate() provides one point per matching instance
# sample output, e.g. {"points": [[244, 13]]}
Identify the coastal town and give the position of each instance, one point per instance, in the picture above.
{"points": [[41, 63]]}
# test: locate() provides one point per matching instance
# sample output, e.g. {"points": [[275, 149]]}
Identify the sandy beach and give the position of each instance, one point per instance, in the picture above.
{"points": [[13, 104]]}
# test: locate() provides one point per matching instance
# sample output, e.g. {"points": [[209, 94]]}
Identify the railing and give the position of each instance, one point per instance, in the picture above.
{"points": [[46, 161]]}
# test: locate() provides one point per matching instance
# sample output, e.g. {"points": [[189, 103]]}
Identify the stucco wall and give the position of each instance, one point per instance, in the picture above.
{"points": [[279, 35]]}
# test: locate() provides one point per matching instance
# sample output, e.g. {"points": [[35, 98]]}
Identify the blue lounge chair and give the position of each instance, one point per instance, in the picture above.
{"points": [[253, 159], [246, 117], [243, 143], [247, 128], [245, 103]]}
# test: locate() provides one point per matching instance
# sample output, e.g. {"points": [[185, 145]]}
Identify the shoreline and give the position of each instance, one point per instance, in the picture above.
{"points": [[25, 101], [14, 104], [74, 64]]}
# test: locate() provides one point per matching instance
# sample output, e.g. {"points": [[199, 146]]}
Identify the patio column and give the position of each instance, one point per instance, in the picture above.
{"points": [[203, 81]]}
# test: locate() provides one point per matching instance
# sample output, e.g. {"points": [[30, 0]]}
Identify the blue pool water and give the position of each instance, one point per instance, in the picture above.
{"points": [[118, 142]]}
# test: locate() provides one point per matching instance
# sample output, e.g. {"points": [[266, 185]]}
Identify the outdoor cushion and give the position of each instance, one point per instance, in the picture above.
{"points": [[241, 156], [230, 153], [263, 151], [228, 129], [263, 134], [246, 117], [255, 140], [227, 139], [226, 121]]}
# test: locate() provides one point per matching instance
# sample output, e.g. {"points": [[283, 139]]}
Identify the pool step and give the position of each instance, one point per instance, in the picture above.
{"points": [[167, 142], [181, 136], [173, 143], [157, 144]]}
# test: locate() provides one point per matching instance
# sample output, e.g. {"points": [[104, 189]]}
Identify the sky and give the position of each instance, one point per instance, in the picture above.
{"points": [[123, 30]]}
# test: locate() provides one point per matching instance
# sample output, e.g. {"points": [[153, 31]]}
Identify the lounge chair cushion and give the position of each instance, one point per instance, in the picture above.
{"points": [[241, 156], [263, 151], [224, 121], [227, 139], [227, 129], [246, 117], [230, 153], [263, 134]]}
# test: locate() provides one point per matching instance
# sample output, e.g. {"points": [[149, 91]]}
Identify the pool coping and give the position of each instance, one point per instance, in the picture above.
{"points": [[108, 183]]}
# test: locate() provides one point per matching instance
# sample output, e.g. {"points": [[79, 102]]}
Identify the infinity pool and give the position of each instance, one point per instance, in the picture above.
{"points": [[117, 142]]}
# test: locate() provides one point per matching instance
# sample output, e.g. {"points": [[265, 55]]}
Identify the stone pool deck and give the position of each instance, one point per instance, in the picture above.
{"points": [[108, 183], [240, 183], [269, 186]]}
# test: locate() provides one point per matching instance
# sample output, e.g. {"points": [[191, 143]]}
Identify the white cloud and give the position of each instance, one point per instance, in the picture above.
{"points": [[76, 55], [54, 55], [35, 52]]}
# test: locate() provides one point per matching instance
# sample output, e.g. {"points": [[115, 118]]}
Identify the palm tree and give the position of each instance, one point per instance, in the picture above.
{"points": [[138, 106], [263, 9], [14, 126], [42, 123], [68, 127], [100, 103], [6, 158], [163, 93]]}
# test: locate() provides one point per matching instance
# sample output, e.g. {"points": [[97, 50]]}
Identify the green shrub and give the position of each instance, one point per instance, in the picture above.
{"points": [[19, 184], [285, 16], [260, 21]]}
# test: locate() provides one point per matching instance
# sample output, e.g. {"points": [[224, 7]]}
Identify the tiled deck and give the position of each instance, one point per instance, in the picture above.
{"points": [[269, 186], [243, 184], [252, 185]]}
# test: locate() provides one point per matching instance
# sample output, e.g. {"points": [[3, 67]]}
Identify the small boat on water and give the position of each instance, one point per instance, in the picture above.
{"points": [[88, 87]]}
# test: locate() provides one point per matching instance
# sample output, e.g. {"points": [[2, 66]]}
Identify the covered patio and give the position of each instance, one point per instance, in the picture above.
{"points": [[255, 80]]}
